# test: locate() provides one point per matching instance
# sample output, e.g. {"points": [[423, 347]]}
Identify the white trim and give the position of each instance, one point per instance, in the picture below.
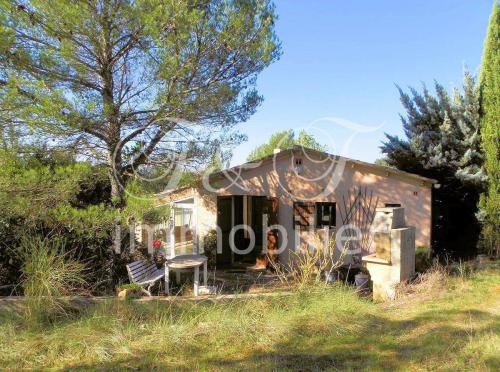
{"points": [[183, 205], [194, 223], [172, 233], [183, 199]]}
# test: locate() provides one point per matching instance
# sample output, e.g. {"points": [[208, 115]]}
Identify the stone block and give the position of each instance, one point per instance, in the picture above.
{"points": [[387, 219]]}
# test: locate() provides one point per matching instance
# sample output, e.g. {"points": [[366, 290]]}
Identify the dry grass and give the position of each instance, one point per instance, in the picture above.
{"points": [[48, 274], [310, 265], [426, 285], [316, 328]]}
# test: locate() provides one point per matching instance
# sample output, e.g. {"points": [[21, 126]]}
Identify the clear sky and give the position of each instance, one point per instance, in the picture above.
{"points": [[342, 59]]}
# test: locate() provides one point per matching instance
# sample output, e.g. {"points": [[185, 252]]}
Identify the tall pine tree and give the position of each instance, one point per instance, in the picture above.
{"points": [[132, 83], [490, 131], [443, 142]]}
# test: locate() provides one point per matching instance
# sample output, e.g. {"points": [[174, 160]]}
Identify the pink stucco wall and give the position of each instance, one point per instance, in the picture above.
{"points": [[321, 180]]}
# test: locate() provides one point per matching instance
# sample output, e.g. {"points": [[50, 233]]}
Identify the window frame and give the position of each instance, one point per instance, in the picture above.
{"points": [[332, 222]]}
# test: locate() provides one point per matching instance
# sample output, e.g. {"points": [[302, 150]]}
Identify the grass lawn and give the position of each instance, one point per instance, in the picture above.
{"points": [[447, 323]]}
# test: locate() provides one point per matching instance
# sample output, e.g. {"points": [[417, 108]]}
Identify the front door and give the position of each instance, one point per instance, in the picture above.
{"points": [[230, 213]]}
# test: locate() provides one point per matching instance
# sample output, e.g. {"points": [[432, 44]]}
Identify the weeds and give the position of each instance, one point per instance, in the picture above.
{"points": [[428, 283], [323, 327], [48, 275], [310, 265]]}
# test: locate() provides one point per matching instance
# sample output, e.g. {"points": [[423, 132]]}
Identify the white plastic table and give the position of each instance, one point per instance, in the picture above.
{"points": [[187, 261]]}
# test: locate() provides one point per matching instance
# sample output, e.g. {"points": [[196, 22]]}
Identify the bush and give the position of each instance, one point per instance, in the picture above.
{"points": [[423, 259], [48, 274], [210, 247], [44, 194]]}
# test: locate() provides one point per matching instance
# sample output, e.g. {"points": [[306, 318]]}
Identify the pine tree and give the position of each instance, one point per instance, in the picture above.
{"points": [[131, 83], [470, 159], [490, 132], [443, 142], [284, 140]]}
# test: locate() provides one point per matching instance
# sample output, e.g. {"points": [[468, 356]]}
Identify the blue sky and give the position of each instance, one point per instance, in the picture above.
{"points": [[342, 59]]}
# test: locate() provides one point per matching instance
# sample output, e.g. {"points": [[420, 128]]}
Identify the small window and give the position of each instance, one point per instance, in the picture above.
{"points": [[392, 205], [303, 214], [325, 214]]}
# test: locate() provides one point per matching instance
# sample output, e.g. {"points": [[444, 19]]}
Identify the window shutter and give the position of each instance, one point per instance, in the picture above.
{"points": [[303, 214]]}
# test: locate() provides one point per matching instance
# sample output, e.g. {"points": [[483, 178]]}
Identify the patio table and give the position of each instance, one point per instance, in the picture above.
{"points": [[187, 261]]}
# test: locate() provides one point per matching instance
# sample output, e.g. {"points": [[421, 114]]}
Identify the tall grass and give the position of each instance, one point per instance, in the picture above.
{"points": [[323, 328], [48, 275], [180, 335], [310, 265]]}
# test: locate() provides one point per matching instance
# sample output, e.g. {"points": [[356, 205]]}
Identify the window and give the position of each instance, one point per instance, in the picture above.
{"points": [[392, 205], [183, 216], [325, 214]]}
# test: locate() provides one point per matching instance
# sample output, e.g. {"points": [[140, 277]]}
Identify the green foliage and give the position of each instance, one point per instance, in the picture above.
{"points": [[443, 142], [129, 286], [284, 140], [48, 273], [31, 188], [490, 132], [44, 193], [383, 163], [442, 132], [156, 215], [125, 81], [210, 247], [423, 260]]}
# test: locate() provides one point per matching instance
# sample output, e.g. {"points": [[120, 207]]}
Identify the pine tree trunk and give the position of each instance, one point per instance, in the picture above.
{"points": [[117, 191]]}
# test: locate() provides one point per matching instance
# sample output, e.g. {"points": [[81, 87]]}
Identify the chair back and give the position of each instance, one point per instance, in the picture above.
{"points": [[140, 270]]}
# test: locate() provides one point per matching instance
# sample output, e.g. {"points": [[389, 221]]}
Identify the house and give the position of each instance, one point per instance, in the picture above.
{"points": [[301, 194]]}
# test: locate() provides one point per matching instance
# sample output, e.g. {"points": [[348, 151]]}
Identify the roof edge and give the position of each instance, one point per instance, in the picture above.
{"points": [[254, 163]]}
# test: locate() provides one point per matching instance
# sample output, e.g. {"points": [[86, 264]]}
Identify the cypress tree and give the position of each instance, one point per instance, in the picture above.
{"points": [[490, 133], [443, 142]]}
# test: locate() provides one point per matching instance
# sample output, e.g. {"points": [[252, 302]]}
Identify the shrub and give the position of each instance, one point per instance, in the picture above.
{"points": [[42, 194], [423, 260], [48, 274], [210, 247]]}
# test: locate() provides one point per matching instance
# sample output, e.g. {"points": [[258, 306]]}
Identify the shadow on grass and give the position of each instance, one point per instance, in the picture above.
{"points": [[375, 343]]}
